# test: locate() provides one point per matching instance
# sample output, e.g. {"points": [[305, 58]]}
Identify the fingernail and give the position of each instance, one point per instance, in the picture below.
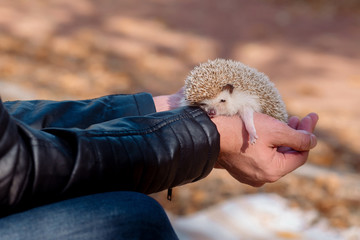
{"points": [[313, 141]]}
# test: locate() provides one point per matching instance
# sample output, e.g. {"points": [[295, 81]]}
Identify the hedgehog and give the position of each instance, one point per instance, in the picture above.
{"points": [[227, 87]]}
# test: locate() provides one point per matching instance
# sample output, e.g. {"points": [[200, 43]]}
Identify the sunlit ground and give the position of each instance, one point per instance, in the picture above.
{"points": [[64, 49]]}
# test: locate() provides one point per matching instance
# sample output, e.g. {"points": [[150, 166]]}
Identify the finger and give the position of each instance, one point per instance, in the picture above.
{"points": [[299, 140], [287, 159], [308, 123], [314, 117], [175, 100], [283, 149], [293, 122], [280, 134]]}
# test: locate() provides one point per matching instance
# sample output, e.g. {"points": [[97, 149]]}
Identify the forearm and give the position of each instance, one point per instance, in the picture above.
{"points": [[145, 154], [158, 151]]}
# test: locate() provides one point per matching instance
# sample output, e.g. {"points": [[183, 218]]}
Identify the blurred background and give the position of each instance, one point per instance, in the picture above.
{"points": [[66, 49]]}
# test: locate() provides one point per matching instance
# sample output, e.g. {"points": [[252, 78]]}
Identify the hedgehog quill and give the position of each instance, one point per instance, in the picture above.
{"points": [[227, 87]]}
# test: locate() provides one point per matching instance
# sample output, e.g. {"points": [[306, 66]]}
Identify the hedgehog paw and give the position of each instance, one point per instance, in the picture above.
{"points": [[253, 139]]}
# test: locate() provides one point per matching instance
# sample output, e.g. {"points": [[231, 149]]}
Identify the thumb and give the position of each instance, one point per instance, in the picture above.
{"points": [[307, 126], [282, 135], [299, 140]]}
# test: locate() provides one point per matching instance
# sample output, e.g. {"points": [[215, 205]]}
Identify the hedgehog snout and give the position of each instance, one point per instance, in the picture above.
{"points": [[211, 112]]}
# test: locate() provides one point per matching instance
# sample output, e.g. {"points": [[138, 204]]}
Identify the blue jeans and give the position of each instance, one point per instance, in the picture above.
{"points": [[114, 215]]}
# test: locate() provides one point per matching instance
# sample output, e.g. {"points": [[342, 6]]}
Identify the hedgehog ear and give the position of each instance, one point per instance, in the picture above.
{"points": [[228, 87]]}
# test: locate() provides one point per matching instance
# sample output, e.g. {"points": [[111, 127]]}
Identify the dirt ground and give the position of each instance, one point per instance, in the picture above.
{"points": [[65, 49]]}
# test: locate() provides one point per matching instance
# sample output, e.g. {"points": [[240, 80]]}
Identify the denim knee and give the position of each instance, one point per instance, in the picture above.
{"points": [[114, 215]]}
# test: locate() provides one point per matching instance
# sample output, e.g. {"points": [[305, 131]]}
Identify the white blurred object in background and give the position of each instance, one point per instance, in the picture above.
{"points": [[258, 217]]}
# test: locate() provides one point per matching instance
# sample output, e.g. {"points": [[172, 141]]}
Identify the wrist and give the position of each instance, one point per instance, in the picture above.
{"points": [[161, 103], [232, 134]]}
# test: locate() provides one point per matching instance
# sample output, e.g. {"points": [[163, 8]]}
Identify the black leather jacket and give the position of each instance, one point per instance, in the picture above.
{"points": [[55, 150]]}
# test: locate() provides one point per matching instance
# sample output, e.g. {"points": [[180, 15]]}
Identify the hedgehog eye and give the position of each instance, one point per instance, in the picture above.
{"points": [[202, 104], [222, 100]]}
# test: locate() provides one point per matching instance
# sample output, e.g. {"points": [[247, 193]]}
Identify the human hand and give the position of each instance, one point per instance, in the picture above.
{"points": [[169, 102], [279, 150]]}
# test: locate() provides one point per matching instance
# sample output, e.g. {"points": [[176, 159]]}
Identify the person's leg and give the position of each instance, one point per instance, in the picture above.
{"points": [[115, 215]]}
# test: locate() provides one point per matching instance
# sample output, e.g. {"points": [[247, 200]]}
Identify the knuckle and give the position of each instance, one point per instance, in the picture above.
{"points": [[305, 141]]}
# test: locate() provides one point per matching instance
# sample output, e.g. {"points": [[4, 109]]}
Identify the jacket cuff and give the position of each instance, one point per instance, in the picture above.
{"points": [[145, 103]]}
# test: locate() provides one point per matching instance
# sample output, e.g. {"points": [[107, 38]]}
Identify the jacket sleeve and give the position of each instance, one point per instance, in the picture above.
{"points": [[144, 153], [41, 114]]}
